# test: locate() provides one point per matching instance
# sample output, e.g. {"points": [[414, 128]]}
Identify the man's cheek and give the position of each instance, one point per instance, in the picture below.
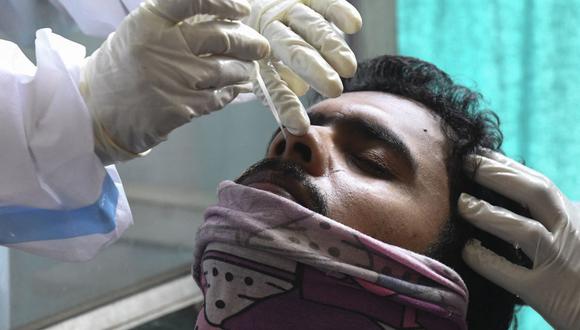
{"points": [[384, 221], [340, 207], [358, 213], [349, 200], [384, 226]]}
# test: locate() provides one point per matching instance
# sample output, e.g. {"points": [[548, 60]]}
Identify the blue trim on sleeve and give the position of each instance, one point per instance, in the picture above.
{"points": [[25, 224]]}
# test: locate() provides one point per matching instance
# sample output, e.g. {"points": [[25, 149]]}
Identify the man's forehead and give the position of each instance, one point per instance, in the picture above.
{"points": [[401, 115]]}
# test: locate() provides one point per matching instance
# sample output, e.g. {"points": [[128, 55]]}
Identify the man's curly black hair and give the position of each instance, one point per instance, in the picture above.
{"points": [[470, 129]]}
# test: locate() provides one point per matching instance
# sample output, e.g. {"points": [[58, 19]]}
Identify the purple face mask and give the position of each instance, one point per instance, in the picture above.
{"points": [[265, 262]]}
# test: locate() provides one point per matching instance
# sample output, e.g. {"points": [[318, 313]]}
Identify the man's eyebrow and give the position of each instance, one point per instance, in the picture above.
{"points": [[371, 130]]}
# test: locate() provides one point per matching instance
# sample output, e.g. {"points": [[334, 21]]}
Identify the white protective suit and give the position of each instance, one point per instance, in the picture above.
{"points": [[51, 179], [56, 198]]}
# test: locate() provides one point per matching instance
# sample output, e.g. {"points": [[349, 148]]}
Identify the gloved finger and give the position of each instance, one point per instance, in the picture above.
{"points": [[510, 227], [221, 71], [340, 12], [496, 268], [217, 99], [229, 38], [188, 103], [296, 84], [538, 194], [303, 59], [316, 30], [473, 161], [289, 108], [178, 10]]}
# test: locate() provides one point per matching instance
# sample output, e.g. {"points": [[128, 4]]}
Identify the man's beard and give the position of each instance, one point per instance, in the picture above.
{"points": [[294, 171], [447, 248]]}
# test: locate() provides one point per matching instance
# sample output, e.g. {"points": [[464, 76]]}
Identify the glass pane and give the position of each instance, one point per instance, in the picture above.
{"points": [[168, 191]]}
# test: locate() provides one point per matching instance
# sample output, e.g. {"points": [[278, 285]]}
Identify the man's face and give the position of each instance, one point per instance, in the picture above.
{"points": [[372, 161]]}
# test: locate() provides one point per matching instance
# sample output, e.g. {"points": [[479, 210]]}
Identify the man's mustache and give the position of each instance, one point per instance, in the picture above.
{"points": [[291, 170]]}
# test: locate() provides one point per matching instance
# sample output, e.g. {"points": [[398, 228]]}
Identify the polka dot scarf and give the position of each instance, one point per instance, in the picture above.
{"points": [[264, 262]]}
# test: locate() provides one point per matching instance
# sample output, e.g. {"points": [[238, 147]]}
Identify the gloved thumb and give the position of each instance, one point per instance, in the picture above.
{"points": [[495, 268], [179, 10]]}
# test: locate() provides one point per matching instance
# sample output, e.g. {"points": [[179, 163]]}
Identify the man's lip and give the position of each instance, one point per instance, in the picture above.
{"points": [[267, 186], [279, 184]]}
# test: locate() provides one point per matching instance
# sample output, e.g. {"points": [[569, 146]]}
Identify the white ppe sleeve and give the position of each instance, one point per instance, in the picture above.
{"points": [[56, 198], [98, 18]]}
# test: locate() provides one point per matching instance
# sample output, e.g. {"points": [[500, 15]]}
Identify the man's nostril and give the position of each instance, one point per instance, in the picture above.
{"points": [[304, 151], [280, 148]]}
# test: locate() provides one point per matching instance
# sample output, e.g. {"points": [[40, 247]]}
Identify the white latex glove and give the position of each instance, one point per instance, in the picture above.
{"points": [[551, 239], [158, 71], [306, 49]]}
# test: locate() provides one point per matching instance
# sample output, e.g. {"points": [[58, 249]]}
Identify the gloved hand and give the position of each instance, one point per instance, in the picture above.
{"points": [[551, 239], [306, 49], [159, 70]]}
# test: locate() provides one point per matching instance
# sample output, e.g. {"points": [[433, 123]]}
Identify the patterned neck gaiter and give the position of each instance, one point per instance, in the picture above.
{"points": [[264, 262]]}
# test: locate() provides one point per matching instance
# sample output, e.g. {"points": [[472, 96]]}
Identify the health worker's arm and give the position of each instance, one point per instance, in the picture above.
{"points": [[161, 69], [56, 197], [62, 120], [550, 238]]}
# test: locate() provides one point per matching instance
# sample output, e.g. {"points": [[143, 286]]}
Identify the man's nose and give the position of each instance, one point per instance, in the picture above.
{"points": [[310, 150]]}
